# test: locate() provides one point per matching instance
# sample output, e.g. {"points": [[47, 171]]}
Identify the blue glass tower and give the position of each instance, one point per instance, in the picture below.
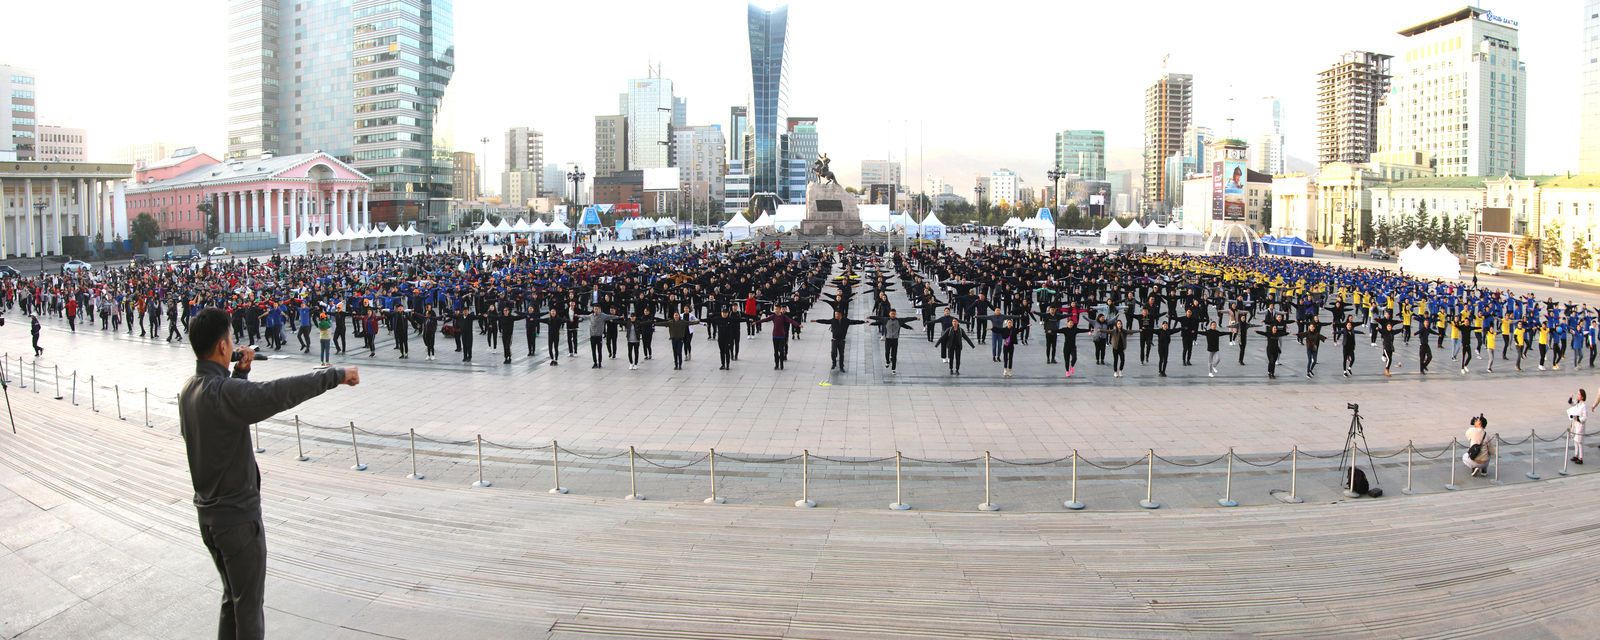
{"points": [[769, 96]]}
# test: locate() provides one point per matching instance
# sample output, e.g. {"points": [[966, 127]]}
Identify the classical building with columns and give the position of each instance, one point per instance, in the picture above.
{"points": [[260, 202], [43, 204]]}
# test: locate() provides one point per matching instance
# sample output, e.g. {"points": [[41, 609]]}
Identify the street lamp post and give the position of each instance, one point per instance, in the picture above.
{"points": [[38, 214], [978, 189], [1055, 182], [576, 176]]}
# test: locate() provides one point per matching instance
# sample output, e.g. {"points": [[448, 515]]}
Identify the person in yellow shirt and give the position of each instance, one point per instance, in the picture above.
{"points": [[1489, 338], [1544, 343]]}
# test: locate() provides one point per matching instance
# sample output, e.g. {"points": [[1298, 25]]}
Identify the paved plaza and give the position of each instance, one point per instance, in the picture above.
{"points": [[97, 528], [98, 540]]}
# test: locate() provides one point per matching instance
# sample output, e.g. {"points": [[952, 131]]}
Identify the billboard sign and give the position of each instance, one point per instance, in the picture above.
{"points": [[664, 179], [591, 216], [1229, 177], [630, 210]]}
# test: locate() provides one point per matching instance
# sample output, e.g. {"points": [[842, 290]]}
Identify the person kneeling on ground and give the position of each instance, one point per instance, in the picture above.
{"points": [[1479, 448]]}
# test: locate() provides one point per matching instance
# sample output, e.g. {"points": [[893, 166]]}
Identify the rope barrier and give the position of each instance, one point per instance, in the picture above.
{"points": [[1274, 463], [381, 435], [966, 461], [1033, 464], [668, 466], [1202, 464], [444, 442], [725, 456], [512, 447], [843, 461], [1105, 468]]}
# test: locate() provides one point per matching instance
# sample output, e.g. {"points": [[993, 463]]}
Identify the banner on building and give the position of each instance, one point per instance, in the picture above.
{"points": [[1229, 177], [630, 210], [591, 216]]}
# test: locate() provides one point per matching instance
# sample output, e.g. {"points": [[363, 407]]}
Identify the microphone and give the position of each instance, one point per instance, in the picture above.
{"points": [[239, 353]]}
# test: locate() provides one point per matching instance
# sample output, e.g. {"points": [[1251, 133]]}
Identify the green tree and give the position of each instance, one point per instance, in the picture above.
{"points": [[1383, 233], [1550, 246], [1074, 218], [213, 225], [144, 231], [1580, 257], [1347, 236]]}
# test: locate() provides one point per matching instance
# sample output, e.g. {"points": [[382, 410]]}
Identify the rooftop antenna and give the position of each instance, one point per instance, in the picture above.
{"points": [[1232, 110]]}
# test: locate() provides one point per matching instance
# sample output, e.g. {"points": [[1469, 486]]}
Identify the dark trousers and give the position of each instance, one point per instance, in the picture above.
{"points": [[725, 347], [428, 339], [1272, 359], [1050, 347], [645, 342], [596, 349], [677, 352], [303, 336], [611, 346], [1069, 353], [1188, 351], [1424, 357], [572, 342], [955, 361], [466, 344], [533, 339], [836, 354], [338, 340], [1119, 359], [633, 353], [891, 353], [552, 344], [240, 554]]}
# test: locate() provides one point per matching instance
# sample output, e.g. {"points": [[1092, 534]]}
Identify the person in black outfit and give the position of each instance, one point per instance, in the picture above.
{"points": [[726, 325], [1164, 346], [1425, 352], [464, 319], [1312, 338], [215, 411], [1069, 346], [1347, 342], [839, 326], [339, 316], [573, 318], [552, 341], [530, 326], [430, 327], [400, 323], [951, 343], [1273, 333], [506, 323]]}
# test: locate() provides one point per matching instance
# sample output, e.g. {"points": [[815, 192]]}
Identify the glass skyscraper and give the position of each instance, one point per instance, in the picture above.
{"points": [[362, 80], [769, 97]]}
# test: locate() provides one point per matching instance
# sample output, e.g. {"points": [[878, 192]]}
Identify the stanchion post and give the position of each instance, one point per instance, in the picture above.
{"points": [[92, 406], [633, 484], [356, 448], [714, 499], [1498, 442], [805, 501], [57, 376], [1533, 455], [555, 467], [1227, 486], [1411, 447], [1294, 476], [35, 375], [255, 430], [117, 389], [481, 483], [988, 504], [147, 407], [899, 503], [414, 474], [74, 388], [1452, 486], [1149, 501], [300, 451], [1074, 504], [1566, 452]]}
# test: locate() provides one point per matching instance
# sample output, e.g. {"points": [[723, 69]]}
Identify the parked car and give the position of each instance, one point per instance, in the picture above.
{"points": [[1487, 268], [73, 266], [1379, 254], [7, 271], [218, 250], [141, 260]]}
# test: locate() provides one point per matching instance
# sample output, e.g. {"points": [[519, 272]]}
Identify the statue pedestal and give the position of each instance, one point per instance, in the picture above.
{"points": [[829, 208]]}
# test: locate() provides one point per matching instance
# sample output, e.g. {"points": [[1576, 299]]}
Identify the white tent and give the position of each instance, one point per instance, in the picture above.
{"points": [[559, 226], [1037, 226], [1112, 233], [1429, 262], [521, 226], [538, 226], [931, 227], [484, 229], [788, 217], [762, 220], [736, 229], [875, 217], [1012, 223]]}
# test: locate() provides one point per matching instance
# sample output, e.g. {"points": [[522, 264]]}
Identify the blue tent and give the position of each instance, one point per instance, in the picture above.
{"points": [[1044, 214]]}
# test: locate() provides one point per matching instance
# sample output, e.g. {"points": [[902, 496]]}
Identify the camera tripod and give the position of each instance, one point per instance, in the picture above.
{"points": [[1351, 452]]}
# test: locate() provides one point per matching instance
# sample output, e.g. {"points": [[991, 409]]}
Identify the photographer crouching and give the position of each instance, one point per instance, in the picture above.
{"points": [[215, 412]]}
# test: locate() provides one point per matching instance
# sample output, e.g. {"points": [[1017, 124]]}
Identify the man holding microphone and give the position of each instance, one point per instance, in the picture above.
{"points": [[215, 411]]}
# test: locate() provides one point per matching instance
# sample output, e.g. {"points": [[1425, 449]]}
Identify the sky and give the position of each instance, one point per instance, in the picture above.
{"points": [[952, 90]]}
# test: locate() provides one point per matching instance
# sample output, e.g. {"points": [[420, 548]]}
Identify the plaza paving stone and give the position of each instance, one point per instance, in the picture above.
{"points": [[377, 555]]}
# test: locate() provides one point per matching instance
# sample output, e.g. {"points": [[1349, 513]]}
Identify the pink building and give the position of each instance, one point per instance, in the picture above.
{"points": [[261, 199]]}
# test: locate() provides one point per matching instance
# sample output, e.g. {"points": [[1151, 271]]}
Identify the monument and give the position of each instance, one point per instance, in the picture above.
{"points": [[830, 210]]}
